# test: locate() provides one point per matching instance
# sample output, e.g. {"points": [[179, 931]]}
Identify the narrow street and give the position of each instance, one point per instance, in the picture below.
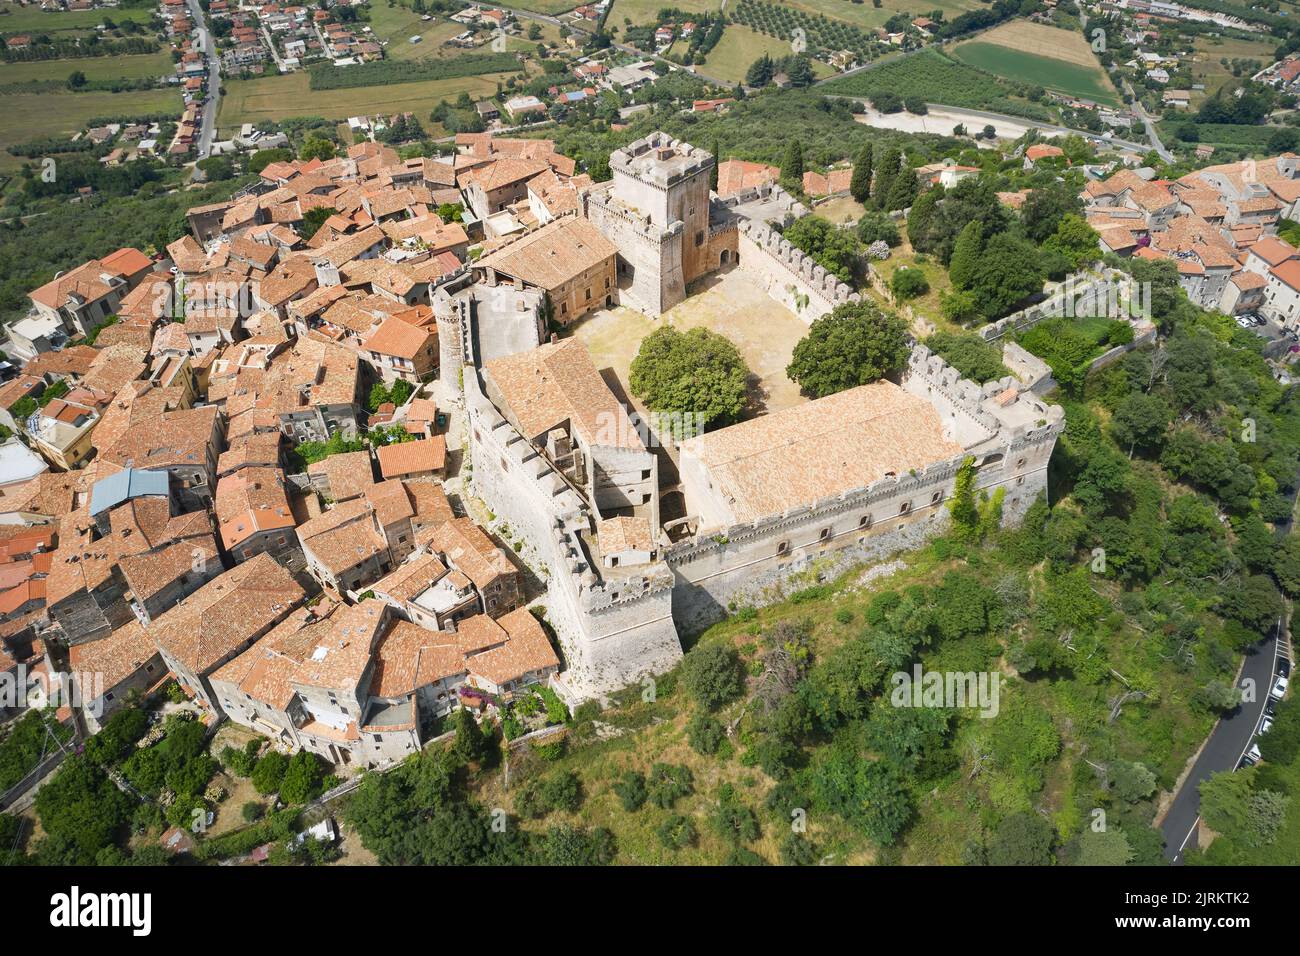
{"points": [[211, 105]]}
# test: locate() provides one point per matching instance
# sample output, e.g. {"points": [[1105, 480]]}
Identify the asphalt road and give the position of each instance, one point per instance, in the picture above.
{"points": [[208, 122], [1232, 735], [1227, 742]]}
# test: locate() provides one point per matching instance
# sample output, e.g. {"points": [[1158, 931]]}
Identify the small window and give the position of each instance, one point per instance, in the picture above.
{"points": [[825, 534], [699, 239], [783, 547], [108, 696], [645, 474], [864, 521], [905, 507], [379, 738], [1020, 480], [1020, 463], [934, 498]]}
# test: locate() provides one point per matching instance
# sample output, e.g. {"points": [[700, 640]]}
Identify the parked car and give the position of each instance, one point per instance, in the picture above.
{"points": [[1284, 666], [1279, 687], [1265, 725]]}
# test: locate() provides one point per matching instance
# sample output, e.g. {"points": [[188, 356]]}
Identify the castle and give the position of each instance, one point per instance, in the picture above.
{"points": [[803, 492]]}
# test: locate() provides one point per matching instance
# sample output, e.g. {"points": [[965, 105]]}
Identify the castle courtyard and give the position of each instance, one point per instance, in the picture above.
{"points": [[728, 303]]}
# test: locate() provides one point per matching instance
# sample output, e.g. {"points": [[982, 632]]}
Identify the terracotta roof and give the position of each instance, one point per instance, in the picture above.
{"points": [[228, 611], [552, 255], [349, 474], [768, 465], [399, 338], [412, 457]]}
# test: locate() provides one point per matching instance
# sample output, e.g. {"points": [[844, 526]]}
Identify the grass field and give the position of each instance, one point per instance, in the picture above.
{"points": [[866, 15], [95, 68], [281, 97], [647, 11], [1048, 56], [549, 7], [1207, 53], [30, 116], [739, 47], [16, 19]]}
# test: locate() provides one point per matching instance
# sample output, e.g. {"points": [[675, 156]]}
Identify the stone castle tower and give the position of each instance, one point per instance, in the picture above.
{"points": [[656, 210]]}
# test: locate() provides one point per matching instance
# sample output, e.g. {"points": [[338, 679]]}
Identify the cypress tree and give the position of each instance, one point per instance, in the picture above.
{"points": [[860, 184], [966, 255], [792, 165]]}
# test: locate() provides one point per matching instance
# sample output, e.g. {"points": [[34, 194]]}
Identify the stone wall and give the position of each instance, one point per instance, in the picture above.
{"points": [[787, 275], [758, 562], [1076, 295], [613, 632]]}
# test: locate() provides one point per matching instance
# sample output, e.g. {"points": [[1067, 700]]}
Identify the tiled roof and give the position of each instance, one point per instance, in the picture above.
{"points": [[412, 457]]}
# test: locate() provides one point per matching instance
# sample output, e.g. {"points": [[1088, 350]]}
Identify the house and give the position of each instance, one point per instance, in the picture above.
{"points": [[426, 593], [82, 298], [400, 349], [222, 619], [343, 477], [568, 259], [737, 176], [184, 444], [521, 107], [422, 458], [106, 672], [833, 183], [254, 514], [462, 546], [1040, 151], [345, 548]]}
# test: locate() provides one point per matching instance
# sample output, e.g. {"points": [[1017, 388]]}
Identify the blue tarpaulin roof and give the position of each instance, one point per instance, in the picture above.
{"points": [[126, 484]]}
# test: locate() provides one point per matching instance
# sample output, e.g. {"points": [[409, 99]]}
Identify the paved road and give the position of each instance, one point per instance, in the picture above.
{"points": [[1232, 735], [1150, 125], [1225, 745], [205, 43]]}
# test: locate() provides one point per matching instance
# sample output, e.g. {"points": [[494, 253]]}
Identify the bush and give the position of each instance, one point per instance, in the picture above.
{"points": [[302, 778], [909, 283], [561, 791], [269, 772], [705, 733], [631, 791], [878, 227], [711, 673], [676, 832], [252, 811]]}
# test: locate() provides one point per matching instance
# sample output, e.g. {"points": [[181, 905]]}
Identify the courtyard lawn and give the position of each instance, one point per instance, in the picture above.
{"points": [[642, 12], [869, 16], [728, 303], [1209, 51], [282, 97], [396, 25]]}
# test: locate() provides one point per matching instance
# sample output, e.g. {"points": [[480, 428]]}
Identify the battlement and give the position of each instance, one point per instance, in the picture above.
{"points": [[801, 266], [639, 223], [660, 161]]}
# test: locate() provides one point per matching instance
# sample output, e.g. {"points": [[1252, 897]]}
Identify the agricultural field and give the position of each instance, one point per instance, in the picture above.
{"points": [[548, 7], [739, 47], [647, 11], [868, 16], [18, 19], [395, 26], [31, 116], [282, 97], [1057, 59], [1209, 52], [95, 68], [937, 78]]}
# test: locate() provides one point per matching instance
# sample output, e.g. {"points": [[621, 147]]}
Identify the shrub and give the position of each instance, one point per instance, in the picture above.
{"points": [[711, 673], [269, 772]]}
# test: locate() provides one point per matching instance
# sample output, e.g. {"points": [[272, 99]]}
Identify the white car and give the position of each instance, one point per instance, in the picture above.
{"points": [[1279, 687], [1265, 725]]}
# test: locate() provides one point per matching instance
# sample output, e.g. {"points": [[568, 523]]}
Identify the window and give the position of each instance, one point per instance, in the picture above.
{"points": [[934, 498], [783, 548], [905, 507], [379, 739], [1020, 463], [699, 239], [825, 534], [864, 521], [108, 696], [588, 295], [645, 474]]}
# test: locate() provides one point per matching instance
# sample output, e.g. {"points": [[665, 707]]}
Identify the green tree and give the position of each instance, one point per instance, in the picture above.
{"points": [[908, 283], [303, 778], [711, 674], [676, 832], [667, 783], [631, 791], [860, 182], [1132, 781], [835, 249], [705, 733], [855, 345], [316, 147], [792, 164], [470, 744], [269, 772], [1007, 274], [1140, 421], [696, 372], [1103, 848], [314, 218], [1075, 240], [966, 255], [1022, 839]]}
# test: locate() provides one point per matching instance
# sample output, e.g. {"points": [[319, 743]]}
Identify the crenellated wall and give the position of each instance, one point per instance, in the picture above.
{"points": [[786, 274]]}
